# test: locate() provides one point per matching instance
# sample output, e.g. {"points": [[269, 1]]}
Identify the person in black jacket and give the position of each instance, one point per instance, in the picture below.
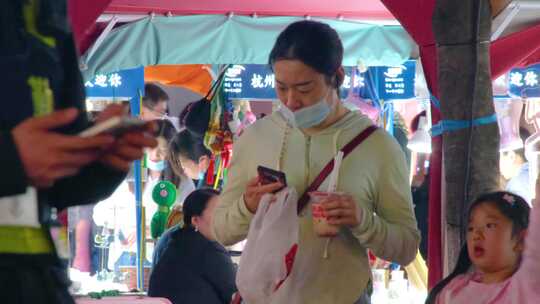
{"points": [[193, 267], [420, 191], [44, 164]]}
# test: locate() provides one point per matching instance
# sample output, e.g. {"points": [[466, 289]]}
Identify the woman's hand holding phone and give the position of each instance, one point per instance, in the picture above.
{"points": [[255, 191]]}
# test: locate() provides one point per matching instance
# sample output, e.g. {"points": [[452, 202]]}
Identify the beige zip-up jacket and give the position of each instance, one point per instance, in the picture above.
{"points": [[375, 174]]}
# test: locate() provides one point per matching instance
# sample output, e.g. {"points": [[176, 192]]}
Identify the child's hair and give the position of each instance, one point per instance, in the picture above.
{"points": [[512, 206]]}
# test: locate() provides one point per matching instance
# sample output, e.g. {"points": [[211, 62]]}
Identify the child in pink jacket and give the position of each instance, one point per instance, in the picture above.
{"points": [[495, 266]]}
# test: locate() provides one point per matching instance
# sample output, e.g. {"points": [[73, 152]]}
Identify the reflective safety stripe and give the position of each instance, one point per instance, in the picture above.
{"points": [[30, 12], [24, 240]]}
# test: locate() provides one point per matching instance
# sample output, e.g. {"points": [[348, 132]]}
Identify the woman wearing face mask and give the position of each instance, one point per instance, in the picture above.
{"points": [[373, 208], [160, 166], [188, 154]]}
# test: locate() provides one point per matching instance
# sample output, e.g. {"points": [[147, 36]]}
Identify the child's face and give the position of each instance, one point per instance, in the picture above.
{"points": [[491, 246]]}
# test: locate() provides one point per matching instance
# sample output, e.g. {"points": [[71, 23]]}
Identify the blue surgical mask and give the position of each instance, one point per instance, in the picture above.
{"points": [[202, 180], [307, 117], [156, 166]]}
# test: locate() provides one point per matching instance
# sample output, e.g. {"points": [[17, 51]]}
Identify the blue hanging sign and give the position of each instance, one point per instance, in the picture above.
{"points": [[249, 81], [124, 84], [397, 82], [356, 84], [257, 81], [525, 82]]}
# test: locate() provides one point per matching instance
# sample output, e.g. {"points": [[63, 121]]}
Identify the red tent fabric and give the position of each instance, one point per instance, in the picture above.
{"points": [[416, 18], [83, 15], [366, 9], [517, 49]]}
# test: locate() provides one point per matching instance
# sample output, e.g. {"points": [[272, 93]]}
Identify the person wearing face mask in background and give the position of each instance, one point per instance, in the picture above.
{"points": [[189, 154], [157, 163], [374, 208], [154, 107]]}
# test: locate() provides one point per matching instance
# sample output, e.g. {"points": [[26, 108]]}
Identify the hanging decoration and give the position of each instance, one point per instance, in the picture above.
{"points": [[164, 195], [218, 137], [532, 116], [208, 119], [242, 117], [532, 144], [508, 114]]}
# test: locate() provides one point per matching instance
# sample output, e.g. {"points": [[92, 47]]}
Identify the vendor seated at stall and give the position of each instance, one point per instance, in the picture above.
{"points": [[193, 267]]}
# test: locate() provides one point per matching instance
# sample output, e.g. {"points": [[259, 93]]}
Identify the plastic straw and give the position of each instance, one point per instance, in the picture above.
{"points": [[332, 185]]}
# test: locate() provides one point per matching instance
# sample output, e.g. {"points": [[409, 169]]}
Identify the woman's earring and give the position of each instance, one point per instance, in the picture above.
{"points": [[196, 229]]}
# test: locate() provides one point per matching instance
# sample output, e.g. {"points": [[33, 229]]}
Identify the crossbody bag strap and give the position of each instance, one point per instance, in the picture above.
{"points": [[347, 149]]}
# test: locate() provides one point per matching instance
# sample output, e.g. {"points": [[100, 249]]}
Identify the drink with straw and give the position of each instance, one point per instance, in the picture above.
{"points": [[320, 220]]}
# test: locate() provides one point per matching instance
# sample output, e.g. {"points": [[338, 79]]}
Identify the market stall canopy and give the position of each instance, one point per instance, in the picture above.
{"points": [[219, 39], [84, 13]]}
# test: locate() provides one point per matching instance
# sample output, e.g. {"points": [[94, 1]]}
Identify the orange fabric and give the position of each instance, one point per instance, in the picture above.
{"points": [[175, 217], [193, 77]]}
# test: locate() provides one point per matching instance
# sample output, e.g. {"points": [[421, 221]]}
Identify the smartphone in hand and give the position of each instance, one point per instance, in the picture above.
{"points": [[115, 126], [270, 176]]}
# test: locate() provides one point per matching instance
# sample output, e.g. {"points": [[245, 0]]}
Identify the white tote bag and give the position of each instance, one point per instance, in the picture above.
{"points": [[271, 247]]}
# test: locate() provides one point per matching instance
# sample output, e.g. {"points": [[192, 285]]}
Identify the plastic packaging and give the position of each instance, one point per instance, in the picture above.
{"points": [[398, 288], [380, 293]]}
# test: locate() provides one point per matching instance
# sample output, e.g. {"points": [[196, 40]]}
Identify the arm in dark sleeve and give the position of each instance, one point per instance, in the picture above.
{"points": [[96, 181], [72, 94], [162, 244], [220, 272], [93, 184], [13, 179]]}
